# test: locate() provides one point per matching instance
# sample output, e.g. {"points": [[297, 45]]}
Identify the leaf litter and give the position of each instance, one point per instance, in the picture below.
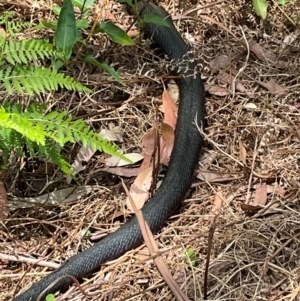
{"points": [[254, 251]]}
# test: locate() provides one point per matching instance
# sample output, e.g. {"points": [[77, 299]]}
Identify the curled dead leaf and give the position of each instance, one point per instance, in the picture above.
{"points": [[273, 87], [139, 190], [216, 90], [167, 143]]}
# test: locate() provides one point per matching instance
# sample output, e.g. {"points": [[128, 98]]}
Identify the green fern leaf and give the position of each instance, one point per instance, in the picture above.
{"points": [[33, 80]]}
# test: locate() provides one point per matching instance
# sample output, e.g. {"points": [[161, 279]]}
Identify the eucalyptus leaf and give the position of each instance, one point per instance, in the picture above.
{"points": [[117, 34], [66, 32], [260, 7]]}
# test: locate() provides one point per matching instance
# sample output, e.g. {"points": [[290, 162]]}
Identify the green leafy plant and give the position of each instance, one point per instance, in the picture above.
{"points": [[50, 297], [20, 73], [29, 131], [190, 256], [261, 6], [67, 34], [46, 134]]}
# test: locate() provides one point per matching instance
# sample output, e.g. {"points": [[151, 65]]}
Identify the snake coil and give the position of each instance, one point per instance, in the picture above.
{"points": [[177, 180]]}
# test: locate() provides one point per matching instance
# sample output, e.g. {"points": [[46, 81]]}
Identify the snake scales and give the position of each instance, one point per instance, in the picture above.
{"points": [[168, 197]]}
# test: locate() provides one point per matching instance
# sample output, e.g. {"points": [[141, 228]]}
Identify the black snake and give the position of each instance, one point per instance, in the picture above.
{"points": [[176, 182]]}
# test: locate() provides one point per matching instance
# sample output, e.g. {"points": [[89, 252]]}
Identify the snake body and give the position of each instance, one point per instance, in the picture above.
{"points": [[177, 180]]}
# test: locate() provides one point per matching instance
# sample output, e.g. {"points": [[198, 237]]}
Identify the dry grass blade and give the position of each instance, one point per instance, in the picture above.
{"points": [[153, 248]]}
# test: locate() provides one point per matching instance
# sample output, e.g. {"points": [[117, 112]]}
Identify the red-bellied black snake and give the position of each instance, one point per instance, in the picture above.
{"points": [[177, 180]]}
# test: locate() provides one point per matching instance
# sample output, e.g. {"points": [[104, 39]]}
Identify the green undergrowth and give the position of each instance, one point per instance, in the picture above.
{"points": [[31, 67]]}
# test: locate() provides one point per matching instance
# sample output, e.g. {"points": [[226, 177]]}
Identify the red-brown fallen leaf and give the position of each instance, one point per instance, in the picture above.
{"points": [[139, 190], [216, 90], [273, 87], [243, 152], [228, 79], [166, 143], [170, 110], [148, 148], [220, 62], [250, 209], [148, 142], [3, 203], [214, 177], [218, 203], [260, 196], [261, 53]]}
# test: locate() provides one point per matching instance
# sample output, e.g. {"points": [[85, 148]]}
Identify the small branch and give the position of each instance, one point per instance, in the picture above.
{"points": [[29, 260]]}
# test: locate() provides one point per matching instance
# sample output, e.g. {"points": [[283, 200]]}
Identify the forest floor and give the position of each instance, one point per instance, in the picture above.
{"points": [[244, 205]]}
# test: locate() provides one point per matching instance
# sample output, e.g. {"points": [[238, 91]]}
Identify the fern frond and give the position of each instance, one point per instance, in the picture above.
{"points": [[21, 124], [47, 134], [35, 80], [18, 52], [12, 27], [52, 152]]}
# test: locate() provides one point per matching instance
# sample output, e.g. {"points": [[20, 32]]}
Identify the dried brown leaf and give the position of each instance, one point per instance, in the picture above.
{"points": [[260, 196], [220, 62], [243, 152], [3, 203], [226, 78], [218, 203], [216, 90], [139, 190], [167, 143], [122, 171], [260, 52], [273, 87], [148, 142], [170, 110]]}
